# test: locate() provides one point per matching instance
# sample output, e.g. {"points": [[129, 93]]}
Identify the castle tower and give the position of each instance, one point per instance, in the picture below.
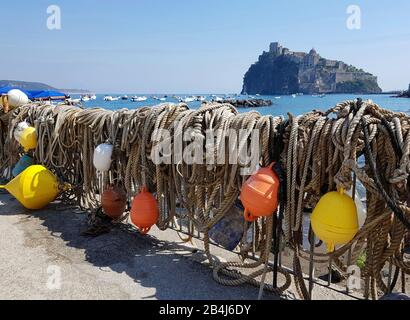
{"points": [[312, 59], [276, 48]]}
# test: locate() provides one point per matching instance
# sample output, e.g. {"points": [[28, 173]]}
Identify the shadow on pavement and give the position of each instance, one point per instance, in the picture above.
{"points": [[150, 262]]}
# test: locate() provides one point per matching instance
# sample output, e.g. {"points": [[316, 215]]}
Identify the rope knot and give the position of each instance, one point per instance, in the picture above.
{"points": [[399, 178], [344, 177]]}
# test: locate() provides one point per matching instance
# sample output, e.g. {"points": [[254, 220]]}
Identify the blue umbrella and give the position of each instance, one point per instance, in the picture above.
{"points": [[5, 90], [48, 95]]}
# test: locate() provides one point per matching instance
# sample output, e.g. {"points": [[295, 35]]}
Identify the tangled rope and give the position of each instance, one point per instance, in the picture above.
{"points": [[319, 152]]}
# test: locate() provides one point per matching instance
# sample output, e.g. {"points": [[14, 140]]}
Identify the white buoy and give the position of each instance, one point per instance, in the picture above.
{"points": [[17, 98], [20, 129], [103, 157]]}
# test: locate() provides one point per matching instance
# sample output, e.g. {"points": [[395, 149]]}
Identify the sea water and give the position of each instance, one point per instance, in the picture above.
{"points": [[282, 105]]}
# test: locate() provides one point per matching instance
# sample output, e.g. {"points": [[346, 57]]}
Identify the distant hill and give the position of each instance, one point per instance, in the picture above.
{"points": [[281, 71], [38, 86]]}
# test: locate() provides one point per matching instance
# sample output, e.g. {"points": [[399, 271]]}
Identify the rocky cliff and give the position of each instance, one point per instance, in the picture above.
{"points": [[281, 71]]}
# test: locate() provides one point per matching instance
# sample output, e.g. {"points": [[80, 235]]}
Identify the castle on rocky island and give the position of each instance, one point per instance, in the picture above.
{"points": [[281, 71]]}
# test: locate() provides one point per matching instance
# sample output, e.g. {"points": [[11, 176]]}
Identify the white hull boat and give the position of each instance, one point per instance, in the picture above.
{"points": [[139, 99]]}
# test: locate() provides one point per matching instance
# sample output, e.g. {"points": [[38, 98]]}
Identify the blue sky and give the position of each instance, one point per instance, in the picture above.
{"points": [[164, 46]]}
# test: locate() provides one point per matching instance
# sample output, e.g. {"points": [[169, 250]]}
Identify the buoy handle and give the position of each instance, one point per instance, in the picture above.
{"points": [[248, 216], [2, 187], [144, 231], [330, 247]]}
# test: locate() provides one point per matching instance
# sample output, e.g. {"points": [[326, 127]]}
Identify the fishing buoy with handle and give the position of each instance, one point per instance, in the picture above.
{"points": [[103, 157], [114, 202], [35, 187], [335, 219], [26, 136], [28, 139], [17, 98], [259, 194], [145, 211], [18, 131]]}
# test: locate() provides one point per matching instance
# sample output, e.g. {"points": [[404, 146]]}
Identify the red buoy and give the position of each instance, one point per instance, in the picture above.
{"points": [[260, 194], [114, 202], [145, 211]]}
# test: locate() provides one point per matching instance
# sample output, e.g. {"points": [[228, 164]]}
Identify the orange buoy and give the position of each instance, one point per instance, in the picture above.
{"points": [[114, 202], [260, 194], [145, 211]]}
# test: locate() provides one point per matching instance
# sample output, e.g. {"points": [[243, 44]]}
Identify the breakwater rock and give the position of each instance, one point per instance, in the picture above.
{"points": [[405, 94], [247, 103]]}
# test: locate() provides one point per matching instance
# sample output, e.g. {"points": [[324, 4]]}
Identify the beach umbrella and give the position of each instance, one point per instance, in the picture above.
{"points": [[7, 89], [49, 95]]}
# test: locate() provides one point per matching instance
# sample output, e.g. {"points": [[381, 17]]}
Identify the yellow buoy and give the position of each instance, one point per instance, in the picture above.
{"points": [[28, 139], [335, 219], [34, 188]]}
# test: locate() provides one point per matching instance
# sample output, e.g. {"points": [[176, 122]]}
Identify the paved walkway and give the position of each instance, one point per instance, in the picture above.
{"points": [[39, 248]]}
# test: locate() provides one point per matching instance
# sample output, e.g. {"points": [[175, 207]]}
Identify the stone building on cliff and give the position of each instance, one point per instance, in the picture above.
{"points": [[282, 71]]}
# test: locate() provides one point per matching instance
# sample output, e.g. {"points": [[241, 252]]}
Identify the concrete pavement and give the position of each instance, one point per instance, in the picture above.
{"points": [[43, 256]]}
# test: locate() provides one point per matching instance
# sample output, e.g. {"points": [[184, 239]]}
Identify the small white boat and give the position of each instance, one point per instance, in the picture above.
{"points": [[219, 99], [189, 99], [93, 97], [294, 96], [139, 99], [200, 99], [124, 97], [85, 99], [277, 98], [70, 100], [163, 99], [108, 98]]}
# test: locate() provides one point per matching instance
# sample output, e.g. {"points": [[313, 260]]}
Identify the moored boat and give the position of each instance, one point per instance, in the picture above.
{"points": [[139, 99]]}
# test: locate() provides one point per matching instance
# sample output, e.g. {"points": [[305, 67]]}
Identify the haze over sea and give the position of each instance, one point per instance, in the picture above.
{"points": [[282, 106]]}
